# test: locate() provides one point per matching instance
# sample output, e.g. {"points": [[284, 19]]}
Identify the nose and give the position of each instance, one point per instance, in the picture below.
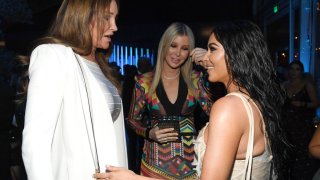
{"points": [[113, 26], [206, 59], [178, 52]]}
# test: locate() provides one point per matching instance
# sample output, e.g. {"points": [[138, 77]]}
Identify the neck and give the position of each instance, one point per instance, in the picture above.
{"points": [[234, 88], [91, 56], [171, 77]]}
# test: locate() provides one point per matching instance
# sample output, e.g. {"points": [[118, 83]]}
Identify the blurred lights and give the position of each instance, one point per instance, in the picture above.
{"points": [[275, 9]]}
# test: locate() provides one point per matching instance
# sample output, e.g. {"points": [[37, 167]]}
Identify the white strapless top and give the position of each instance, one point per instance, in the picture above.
{"points": [[260, 165]]}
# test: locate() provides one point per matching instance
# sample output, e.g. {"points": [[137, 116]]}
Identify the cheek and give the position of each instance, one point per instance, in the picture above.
{"points": [[94, 35], [185, 54]]}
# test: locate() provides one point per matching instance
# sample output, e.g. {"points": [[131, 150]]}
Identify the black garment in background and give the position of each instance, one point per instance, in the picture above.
{"points": [[134, 142], [300, 129], [6, 116]]}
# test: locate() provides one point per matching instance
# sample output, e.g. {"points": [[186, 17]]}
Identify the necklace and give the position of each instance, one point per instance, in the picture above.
{"points": [[170, 78]]}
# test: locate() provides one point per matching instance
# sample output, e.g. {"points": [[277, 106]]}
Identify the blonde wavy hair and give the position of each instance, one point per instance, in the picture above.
{"points": [[174, 30]]}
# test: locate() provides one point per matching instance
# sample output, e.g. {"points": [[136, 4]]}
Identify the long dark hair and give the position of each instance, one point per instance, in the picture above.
{"points": [[251, 68], [71, 28]]}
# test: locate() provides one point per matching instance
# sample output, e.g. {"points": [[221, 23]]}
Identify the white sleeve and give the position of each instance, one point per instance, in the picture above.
{"points": [[44, 101]]}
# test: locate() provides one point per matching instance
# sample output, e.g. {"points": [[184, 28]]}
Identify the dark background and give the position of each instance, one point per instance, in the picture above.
{"points": [[141, 22]]}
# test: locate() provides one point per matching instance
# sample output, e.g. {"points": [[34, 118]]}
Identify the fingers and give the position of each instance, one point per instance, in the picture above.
{"points": [[197, 55], [163, 135], [101, 176], [111, 168], [165, 130], [167, 135], [169, 139]]}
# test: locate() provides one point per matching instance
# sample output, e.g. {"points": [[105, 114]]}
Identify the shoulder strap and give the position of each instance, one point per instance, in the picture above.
{"points": [[249, 153]]}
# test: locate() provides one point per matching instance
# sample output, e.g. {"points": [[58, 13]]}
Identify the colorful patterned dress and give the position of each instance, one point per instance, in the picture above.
{"points": [[172, 160]]}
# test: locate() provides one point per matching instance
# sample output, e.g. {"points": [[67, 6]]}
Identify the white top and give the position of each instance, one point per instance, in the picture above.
{"points": [[259, 166], [58, 136], [110, 92]]}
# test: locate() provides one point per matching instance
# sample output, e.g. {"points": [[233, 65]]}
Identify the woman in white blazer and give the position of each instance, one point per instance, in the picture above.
{"points": [[74, 123]]}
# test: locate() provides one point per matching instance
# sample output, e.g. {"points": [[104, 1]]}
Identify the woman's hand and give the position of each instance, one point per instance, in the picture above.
{"points": [[198, 55], [116, 173], [163, 135]]}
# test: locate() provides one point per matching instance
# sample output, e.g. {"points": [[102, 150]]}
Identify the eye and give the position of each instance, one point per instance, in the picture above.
{"points": [[106, 17], [212, 48], [185, 48], [173, 45]]}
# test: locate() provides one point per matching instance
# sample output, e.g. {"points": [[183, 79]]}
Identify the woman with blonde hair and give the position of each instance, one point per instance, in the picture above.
{"points": [[169, 96]]}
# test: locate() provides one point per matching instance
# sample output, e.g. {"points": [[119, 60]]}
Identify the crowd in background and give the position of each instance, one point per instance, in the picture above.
{"points": [[301, 117]]}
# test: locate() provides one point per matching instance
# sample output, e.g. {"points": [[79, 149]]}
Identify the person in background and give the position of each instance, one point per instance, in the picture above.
{"points": [[116, 71], [130, 71], [314, 150], [74, 122], [245, 125], [300, 110], [19, 81], [6, 109], [144, 65], [135, 141], [170, 92]]}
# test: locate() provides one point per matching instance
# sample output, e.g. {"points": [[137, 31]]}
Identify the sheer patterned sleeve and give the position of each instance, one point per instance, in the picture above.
{"points": [[204, 98], [138, 106]]}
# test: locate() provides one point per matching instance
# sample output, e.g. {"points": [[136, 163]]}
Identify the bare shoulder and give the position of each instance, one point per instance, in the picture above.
{"points": [[226, 109]]}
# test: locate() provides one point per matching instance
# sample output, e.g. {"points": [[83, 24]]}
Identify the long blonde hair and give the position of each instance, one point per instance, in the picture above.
{"points": [[71, 28], [174, 30]]}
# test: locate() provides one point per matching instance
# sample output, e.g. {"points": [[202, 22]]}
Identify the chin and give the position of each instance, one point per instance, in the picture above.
{"points": [[212, 80], [104, 45]]}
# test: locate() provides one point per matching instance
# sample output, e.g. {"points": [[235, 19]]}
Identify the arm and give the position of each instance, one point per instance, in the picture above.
{"points": [[203, 90], [314, 145], [44, 101], [208, 92], [137, 107], [227, 126], [312, 95], [118, 173]]}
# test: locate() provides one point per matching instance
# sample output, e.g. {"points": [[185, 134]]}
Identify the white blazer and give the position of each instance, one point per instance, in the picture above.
{"points": [[57, 137]]}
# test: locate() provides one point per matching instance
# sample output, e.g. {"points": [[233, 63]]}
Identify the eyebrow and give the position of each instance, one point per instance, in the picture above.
{"points": [[212, 44]]}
